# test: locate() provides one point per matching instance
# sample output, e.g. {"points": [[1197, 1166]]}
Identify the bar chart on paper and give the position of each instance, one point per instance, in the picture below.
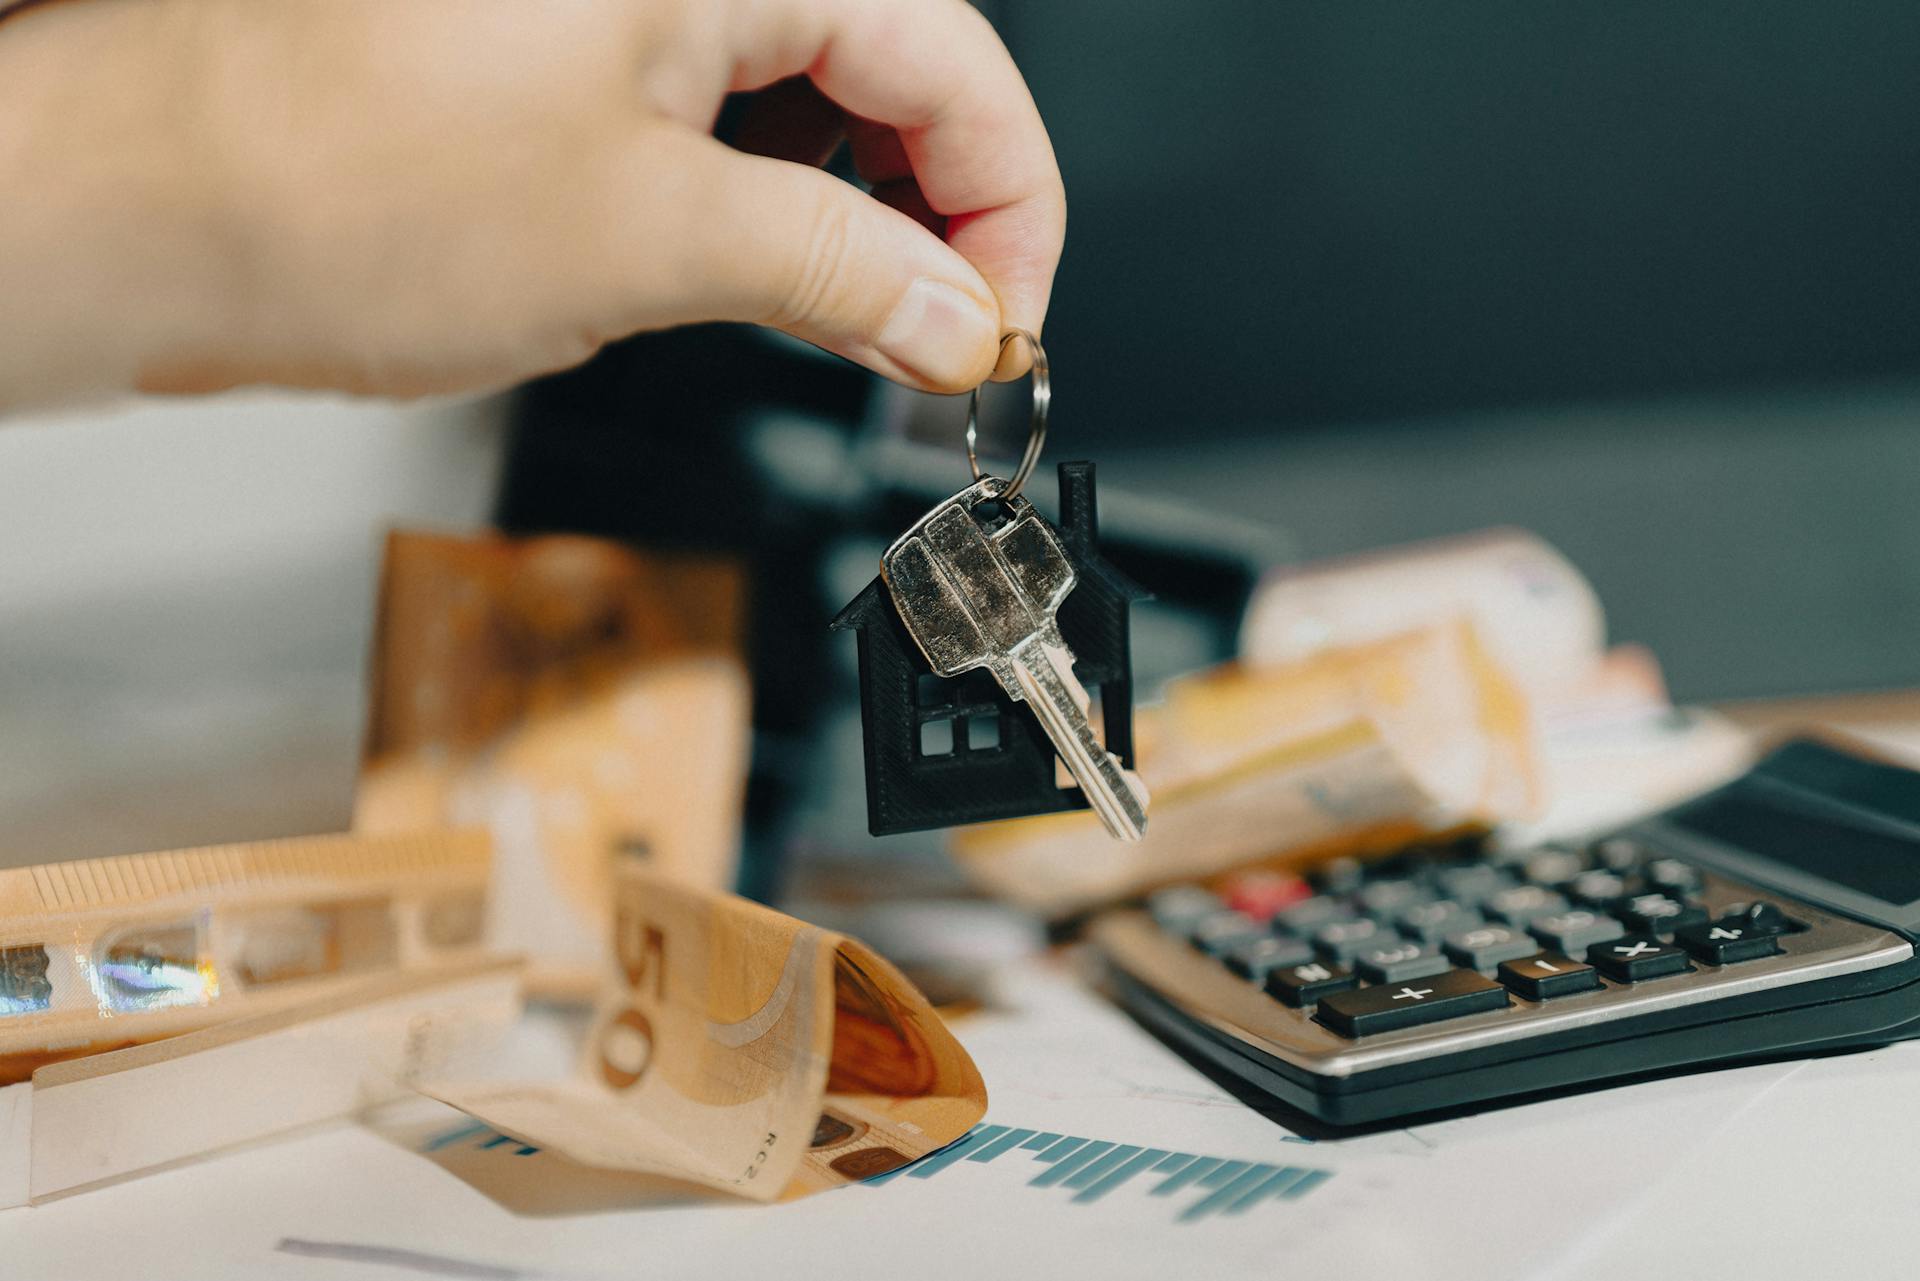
{"points": [[1091, 1169]]}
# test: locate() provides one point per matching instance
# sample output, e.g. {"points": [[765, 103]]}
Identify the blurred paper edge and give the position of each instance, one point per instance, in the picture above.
{"points": [[634, 736], [125, 1112], [1537, 614], [656, 761], [1352, 751]]}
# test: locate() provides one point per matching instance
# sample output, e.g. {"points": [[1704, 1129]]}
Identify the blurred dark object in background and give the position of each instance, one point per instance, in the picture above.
{"points": [[729, 441], [1639, 277]]}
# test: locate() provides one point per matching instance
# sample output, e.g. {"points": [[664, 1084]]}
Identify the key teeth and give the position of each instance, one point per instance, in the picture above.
{"points": [[1137, 788], [1055, 648]]}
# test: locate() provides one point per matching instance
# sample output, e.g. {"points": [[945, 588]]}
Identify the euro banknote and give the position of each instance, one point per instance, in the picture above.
{"points": [[739, 1049]]}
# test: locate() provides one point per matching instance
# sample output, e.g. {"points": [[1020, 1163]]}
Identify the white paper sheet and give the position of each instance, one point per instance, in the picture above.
{"points": [[1534, 1190]]}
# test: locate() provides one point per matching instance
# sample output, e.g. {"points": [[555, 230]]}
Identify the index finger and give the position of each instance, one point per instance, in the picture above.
{"points": [[935, 72]]}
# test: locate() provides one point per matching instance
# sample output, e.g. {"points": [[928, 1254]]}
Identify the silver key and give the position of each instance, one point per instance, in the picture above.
{"points": [[973, 599]]}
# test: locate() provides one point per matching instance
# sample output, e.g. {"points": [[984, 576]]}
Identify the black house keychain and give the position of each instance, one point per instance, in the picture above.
{"points": [[965, 611]]}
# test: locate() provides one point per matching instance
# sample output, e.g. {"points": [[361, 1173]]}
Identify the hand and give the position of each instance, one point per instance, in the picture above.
{"points": [[409, 196]]}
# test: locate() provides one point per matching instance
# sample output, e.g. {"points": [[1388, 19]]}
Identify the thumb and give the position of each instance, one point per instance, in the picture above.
{"points": [[790, 246]]}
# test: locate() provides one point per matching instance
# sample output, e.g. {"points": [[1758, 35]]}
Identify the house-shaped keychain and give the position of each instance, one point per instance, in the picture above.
{"points": [[941, 752]]}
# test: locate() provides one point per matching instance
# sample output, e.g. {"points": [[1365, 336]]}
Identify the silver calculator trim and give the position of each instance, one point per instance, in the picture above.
{"points": [[1207, 992]]}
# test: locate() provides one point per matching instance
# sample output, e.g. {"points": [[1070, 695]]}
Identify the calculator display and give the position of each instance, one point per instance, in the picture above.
{"points": [[1867, 850]]}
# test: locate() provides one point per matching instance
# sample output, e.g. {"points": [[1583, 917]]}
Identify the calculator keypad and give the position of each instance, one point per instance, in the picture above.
{"points": [[1431, 936]]}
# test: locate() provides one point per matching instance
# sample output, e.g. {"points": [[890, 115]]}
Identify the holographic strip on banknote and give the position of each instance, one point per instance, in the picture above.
{"points": [[106, 952]]}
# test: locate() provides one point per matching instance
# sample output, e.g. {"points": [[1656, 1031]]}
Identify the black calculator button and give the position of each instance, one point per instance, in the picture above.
{"points": [[1302, 919], [1397, 961], [1658, 913], [1341, 941], [1470, 884], [1550, 974], [1302, 985], [1367, 1010], [1727, 940], [1485, 946], [1553, 866], [1522, 903], [1637, 957], [1598, 888], [1765, 918], [1431, 922], [1255, 959], [1385, 898], [1223, 931], [1575, 930]]}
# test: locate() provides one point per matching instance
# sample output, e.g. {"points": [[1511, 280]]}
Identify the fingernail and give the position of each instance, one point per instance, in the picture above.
{"points": [[938, 333]]}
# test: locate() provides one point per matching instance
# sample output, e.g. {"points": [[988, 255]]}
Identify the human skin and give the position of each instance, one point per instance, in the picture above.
{"points": [[402, 197]]}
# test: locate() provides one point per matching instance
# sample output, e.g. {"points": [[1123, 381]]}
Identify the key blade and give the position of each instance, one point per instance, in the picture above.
{"points": [[1043, 668]]}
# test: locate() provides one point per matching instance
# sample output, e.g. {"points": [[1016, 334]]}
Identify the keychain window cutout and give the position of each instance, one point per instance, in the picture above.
{"points": [[937, 738], [983, 733], [911, 791]]}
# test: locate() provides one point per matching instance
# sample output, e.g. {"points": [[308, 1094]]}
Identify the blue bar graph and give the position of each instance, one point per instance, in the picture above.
{"points": [[978, 1137], [1093, 1168], [1089, 1169], [483, 1136]]}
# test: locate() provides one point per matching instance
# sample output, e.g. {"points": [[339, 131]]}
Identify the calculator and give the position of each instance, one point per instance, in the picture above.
{"points": [[1775, 915]]}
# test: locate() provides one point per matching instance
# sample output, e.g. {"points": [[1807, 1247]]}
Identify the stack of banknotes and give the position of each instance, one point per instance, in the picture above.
{"points": [[550, 804]]}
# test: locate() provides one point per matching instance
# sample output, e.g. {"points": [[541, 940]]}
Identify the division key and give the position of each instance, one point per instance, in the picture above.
{"points": [[1395, 1005]]}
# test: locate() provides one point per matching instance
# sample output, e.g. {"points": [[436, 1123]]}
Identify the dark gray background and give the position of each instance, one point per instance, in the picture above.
{"points": [[1639, 276], [1310, 212]]}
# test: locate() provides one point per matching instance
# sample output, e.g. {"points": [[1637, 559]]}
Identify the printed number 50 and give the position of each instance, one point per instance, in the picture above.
{"points": [[626, 1042]]}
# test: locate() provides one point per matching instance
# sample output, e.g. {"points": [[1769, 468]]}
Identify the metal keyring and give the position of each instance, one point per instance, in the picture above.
{"points": [[1037, 435]]}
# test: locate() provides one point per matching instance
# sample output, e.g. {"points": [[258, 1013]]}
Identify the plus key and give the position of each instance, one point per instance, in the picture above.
{"points": [[1729, 939], [1368, 1010]]}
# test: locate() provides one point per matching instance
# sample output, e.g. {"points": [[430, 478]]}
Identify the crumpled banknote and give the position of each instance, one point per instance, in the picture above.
{"points": [[740, 1049]]}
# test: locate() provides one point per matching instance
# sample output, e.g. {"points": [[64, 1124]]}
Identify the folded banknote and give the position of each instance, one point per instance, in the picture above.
{"points": [[737, 1048]]}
